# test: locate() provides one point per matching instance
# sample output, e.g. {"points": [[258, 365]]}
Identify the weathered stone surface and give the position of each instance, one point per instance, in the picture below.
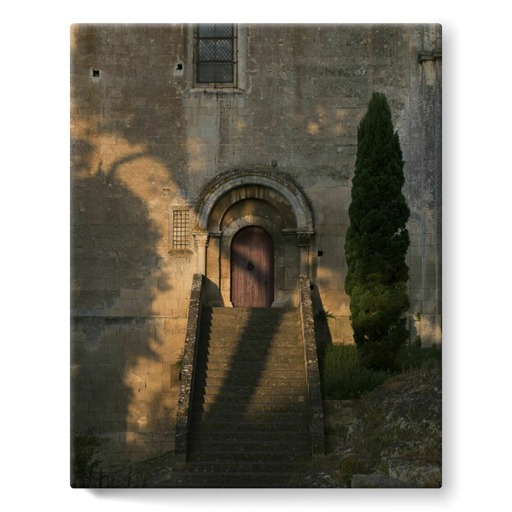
{"points": [[187, 372], [415, 472], [339, 416], [376, 482], [398, 430], [312, 371]]}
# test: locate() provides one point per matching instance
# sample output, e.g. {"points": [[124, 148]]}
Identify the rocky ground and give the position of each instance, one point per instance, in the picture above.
{"points": [[391, 437]]}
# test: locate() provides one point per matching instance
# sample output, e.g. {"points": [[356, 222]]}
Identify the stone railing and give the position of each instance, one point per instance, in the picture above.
{"points": [[187, 372], [312, 371]]}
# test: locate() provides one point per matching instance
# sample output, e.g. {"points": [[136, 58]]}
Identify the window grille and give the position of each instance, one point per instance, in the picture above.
{"points": [[215, 54], [180, 237]]}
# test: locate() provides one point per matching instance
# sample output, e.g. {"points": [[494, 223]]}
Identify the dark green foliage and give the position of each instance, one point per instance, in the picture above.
{"points": [[414, 356], [377, 240], [84, 458], [342, 375]]}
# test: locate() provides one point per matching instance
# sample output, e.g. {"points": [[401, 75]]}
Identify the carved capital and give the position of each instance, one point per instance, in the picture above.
{"points": [[304, 239], [201, 238]]}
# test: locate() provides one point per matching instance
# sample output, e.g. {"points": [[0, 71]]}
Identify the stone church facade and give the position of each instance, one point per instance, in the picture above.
{"points": [[190, 146]]}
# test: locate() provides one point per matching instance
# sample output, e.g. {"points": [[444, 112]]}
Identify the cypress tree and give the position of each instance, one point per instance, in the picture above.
{"points": [[377, 240]]}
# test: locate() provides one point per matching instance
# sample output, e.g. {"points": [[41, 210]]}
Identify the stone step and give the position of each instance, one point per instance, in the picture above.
{"points": [[225, 370], [197, 477], [253, 340], [263, 369], [256, 339], [250, 376], [250, 358], [213, 423], [241, 353], [231, 481], [252, 344], [242, 320], [261, 398], [249, 411], [235, 389], [251, 391], [244, 466], [258, 438], [255, 343], [204, 423], [240, 316], [250, 323], [250, 331], [256, 413], [246, 382], [246, 446], [220, 311], [236, 457]]}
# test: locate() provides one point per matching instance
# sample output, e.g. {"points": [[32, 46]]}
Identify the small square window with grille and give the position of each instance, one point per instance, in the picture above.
{"points": [[215, 54], [180, 236]]}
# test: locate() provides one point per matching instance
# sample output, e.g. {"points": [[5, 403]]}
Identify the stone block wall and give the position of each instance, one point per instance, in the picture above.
{"points": [[124, 383]]}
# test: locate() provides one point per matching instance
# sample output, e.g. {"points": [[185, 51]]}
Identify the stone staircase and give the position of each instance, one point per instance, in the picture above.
{"points": [[249, 424]]}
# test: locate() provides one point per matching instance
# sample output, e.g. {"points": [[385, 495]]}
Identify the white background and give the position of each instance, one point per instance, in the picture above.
{"points": [[34, 404]]}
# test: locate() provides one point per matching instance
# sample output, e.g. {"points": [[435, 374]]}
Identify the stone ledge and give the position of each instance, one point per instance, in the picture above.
{"points": [[312, 372], [187, 372]]}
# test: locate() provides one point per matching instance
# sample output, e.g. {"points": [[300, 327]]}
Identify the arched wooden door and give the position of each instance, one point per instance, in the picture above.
{"points": [[252, 268]]}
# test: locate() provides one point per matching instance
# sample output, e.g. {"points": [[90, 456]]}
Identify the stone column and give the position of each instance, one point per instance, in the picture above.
{"points": [[201, 238], [213, 259], [304, 241]]}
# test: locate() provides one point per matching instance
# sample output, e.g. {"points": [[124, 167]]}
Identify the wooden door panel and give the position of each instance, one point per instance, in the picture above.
{"points": [[252, 268]]}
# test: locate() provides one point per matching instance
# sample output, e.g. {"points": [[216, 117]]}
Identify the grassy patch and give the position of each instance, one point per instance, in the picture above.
{"points": [[342, 375], [414, 356]]}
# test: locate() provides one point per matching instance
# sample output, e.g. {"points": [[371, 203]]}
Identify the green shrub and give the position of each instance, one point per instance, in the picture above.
{"points": [[343, 376]]}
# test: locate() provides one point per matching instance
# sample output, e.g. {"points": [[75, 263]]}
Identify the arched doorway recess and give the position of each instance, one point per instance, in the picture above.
{"points": [[265, 200]]}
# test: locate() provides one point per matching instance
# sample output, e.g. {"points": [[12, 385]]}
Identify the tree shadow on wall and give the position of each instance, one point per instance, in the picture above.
{"points": [[124, 134], [115, 276], [134, 100]]}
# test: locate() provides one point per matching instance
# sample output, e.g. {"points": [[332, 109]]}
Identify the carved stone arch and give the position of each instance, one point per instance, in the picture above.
{"points": [[235, 200], [281, 183], [249, 220]]}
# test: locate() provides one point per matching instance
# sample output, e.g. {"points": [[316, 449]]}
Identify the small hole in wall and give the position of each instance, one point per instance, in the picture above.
{"points": [[311, 286], [179, 66], [320, 253], [96, 73]]}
